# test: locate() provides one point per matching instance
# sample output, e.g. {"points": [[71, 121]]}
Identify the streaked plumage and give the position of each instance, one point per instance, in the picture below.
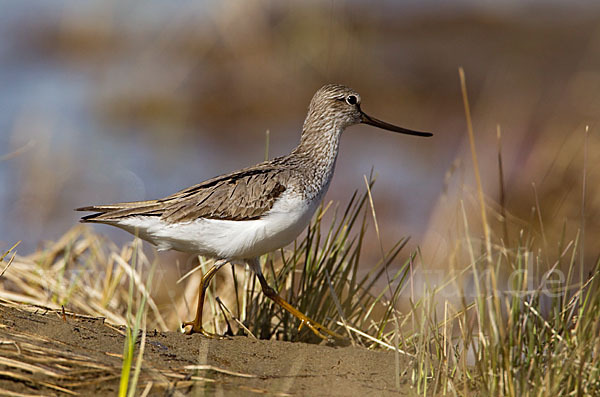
{"points": [[253, 211]]}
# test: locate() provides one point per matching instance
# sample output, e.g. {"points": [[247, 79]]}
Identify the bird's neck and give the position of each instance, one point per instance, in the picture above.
{"points": [[319, 148]]}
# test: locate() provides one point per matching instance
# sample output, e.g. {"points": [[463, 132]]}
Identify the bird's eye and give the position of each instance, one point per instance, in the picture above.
{"points": [[351, 99]]}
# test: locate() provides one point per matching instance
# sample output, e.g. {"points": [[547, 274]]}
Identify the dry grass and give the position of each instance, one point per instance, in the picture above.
{"points": [[25, 359], [514, 313], [81, 272], [48, 364], [511, 329]]}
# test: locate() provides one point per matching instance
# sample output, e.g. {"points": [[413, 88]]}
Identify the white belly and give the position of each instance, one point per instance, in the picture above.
{"points": [[229, 239]]}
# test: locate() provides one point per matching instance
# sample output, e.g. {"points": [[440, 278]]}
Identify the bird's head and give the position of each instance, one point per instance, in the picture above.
{"points": [[335, 107]]}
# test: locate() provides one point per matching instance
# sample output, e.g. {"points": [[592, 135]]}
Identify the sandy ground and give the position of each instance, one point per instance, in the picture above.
{"points": [[46, 352]]}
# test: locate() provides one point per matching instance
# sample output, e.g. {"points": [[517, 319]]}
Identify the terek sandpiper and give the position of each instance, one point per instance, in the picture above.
{"points": [[240, 216]]}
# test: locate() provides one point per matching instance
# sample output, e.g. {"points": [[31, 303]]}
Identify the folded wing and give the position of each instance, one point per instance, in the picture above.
{"points": [[243, 195]]}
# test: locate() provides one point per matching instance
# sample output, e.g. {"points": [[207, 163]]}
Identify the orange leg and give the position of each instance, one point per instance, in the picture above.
{"points": [[314, 326], [196, 325]]}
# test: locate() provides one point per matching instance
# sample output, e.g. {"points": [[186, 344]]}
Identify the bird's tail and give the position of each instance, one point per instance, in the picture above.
{"points": [[108, 213]]}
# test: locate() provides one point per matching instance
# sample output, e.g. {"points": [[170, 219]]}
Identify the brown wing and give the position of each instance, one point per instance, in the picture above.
{"points": [[242, 195]]}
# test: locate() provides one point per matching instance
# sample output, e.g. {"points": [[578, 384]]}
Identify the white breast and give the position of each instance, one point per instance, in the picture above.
{"points": [[229, 239]]}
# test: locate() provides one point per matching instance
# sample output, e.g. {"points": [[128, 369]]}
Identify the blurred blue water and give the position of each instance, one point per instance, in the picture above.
{"points": [[54, 101], [77, 158]]}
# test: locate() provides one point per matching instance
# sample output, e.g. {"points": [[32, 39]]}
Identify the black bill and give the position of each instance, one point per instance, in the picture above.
{"points": [[366, 119]]}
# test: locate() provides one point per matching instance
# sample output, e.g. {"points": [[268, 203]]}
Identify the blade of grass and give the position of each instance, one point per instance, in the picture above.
{"points": [[486, 228]]}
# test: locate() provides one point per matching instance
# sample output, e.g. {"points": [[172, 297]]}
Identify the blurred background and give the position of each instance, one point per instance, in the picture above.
{"points": [[104, 101]]}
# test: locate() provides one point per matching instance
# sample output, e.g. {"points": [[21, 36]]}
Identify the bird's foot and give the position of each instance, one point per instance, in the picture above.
{"points": [[319, 330], [196, 328]]}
